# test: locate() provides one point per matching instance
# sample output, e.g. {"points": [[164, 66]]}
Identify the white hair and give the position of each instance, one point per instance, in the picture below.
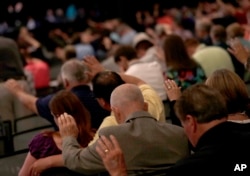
{"points": [[74, 71]]}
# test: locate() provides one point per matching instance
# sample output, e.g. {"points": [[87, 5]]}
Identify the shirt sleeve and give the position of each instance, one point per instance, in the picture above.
{"points": [[42, 105], [155, 105], [36, 146], [83, 160]]}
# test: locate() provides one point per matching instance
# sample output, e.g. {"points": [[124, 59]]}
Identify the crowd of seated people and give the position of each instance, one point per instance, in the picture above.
{"points": [[162, 98]]}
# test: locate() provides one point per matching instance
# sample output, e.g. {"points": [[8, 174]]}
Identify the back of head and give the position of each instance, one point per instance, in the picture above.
{"points": [[232, 88], [10, 60], [74, 71], [70, 52], [127, 96], [203, 25], [202, 102], [126, 51], [66, 101], [218, 33], [176, 54], [104, 83], [234, 30], [142, 39], [191, 45]]}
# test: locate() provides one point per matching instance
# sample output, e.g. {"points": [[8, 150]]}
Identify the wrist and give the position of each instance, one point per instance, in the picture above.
{"points": [[247, 63], [121, 173]]}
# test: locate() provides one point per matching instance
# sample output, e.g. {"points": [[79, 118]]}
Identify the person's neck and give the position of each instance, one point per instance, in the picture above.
{"points": [[239, 116], [204, 127], [133, 61], [72, 85]]}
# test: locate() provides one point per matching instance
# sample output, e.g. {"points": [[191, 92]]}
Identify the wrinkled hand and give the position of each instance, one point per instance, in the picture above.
{"points": [[67, 126], [39, 166], [172, 90], [112, 156], [94, 65], [238, 50], [13, 86]]}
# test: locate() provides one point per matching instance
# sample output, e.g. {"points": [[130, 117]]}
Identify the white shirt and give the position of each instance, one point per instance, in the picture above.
{"points": [[151, 73]]}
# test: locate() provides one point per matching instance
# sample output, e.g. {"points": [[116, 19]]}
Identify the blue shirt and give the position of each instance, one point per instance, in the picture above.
{"points": [[86, 96]]}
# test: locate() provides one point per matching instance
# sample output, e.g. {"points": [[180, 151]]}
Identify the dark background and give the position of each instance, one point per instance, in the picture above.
{"points": [[107, 7], [125, 9]]}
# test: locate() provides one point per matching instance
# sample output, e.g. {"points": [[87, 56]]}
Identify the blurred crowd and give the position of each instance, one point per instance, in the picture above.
{"points": [[158, 50]]}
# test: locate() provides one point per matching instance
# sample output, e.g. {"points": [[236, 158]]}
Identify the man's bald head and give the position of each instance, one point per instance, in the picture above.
{"points": [[127, 98], [126, 94]]}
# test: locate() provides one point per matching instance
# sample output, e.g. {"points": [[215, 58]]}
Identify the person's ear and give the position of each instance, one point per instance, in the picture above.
{"points": [[145, 107], [89, 76], [191, 122], [65, 83], [123, 63], [117, 114]]}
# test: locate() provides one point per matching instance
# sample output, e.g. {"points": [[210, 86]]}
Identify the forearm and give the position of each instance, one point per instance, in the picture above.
{"points": [[85, 161], [33, 42], [28, 100], [121, 173], [55, 161], [29, 160], [131, 79]]}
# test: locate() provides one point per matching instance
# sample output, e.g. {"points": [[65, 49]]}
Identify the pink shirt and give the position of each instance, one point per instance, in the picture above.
{"points": [[40, 72]]}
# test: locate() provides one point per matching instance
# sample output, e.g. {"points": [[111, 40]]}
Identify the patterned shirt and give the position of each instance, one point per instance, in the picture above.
{"points": [[186, 77]]}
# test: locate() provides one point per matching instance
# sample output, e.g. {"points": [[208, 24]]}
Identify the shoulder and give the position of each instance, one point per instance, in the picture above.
{"points": [[114, 129], [44, 100], [38, 142], [149, 93], [145, 87], [108, 121], [174, 131]]}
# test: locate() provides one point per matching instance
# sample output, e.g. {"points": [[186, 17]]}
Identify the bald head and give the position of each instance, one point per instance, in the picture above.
{"points": [[126, 94], [127, 99]]}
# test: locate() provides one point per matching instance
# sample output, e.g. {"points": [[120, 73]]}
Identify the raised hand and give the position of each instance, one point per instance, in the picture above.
{"points": [[13, 86], [238, 50], [93, 64], [172, 90], [112, 156], [67, 126]]}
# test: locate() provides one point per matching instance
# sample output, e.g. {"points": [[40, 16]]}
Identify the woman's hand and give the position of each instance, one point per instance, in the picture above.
{"points": [[172, 90], [39, 166]]}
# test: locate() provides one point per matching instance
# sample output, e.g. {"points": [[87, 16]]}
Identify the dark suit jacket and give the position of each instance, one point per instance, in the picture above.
{"points": [[220, 151], [148, 146]]}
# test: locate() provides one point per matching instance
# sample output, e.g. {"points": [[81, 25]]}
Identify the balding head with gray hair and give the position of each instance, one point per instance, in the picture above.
{"points": [[126, 99], [74, 72]]}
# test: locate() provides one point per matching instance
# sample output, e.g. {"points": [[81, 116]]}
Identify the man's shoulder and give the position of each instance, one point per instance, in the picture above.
{"points": [[111, 129], [172, 130], [44, 100]]}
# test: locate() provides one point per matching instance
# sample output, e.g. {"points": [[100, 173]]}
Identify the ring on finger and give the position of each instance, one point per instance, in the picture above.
{"points": [[106, 150]]}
